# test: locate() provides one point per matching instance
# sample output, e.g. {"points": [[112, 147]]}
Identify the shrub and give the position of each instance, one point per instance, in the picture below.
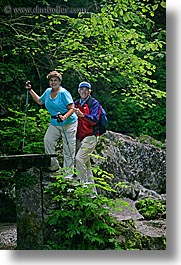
{"points": [[79, 221], [151, 209]]}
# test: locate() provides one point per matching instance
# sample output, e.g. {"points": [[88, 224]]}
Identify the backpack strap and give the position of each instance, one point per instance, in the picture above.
{"points": [[90, 101], [76, 102]]}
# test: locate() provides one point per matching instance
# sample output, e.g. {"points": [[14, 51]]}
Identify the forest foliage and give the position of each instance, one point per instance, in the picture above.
{"points": [[116, 45], [119, 46]]}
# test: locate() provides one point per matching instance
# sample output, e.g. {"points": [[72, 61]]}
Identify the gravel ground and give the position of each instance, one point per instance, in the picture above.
{"points": [[8, 236]]}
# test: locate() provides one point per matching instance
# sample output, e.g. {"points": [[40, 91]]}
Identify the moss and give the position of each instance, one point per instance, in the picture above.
{"points": [[146, 139], [130, 239], [30, 232], [120, 143]]}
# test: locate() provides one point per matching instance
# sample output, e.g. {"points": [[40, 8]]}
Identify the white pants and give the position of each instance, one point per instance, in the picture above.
{"points": [[83, 155], [68, 134]]}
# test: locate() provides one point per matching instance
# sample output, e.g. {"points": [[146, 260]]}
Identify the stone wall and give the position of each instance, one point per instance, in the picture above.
{"points": [[29, 208]]}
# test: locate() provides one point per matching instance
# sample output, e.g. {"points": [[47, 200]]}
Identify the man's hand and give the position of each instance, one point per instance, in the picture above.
{"points": [[78, 112]]}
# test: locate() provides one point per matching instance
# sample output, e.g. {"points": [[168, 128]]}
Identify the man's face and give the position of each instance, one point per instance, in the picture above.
{"points": [[84, 92]]}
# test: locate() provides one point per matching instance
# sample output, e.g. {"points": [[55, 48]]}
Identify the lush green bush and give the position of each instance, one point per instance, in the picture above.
{"points": [[79, 221], [129, 118], [23, 132], [151, 209]]}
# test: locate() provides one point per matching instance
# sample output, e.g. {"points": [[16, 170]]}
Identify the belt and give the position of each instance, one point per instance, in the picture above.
{"points": [[55, 117]]}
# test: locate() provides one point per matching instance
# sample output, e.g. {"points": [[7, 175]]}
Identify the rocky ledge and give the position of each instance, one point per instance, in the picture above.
{"points": [[136, 233], [8, 236]]}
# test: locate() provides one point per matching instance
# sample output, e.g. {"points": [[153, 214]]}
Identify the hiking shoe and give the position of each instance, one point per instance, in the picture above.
{"points": [[47, 169], [68, 177]]}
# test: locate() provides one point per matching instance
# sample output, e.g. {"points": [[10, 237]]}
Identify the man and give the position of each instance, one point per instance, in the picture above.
{"points": [[88, 112]]}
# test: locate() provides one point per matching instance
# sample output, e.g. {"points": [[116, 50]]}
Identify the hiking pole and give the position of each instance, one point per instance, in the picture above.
{"points": [[25, 120]]}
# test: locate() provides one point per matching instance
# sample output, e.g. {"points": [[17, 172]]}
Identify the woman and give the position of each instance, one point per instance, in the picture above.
{"points": [[63, 122]]}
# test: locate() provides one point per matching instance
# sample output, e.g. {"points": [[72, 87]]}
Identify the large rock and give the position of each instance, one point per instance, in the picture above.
{"points": [[138, 233], [129, 161]]}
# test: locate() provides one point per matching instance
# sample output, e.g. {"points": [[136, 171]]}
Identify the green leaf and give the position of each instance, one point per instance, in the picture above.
{"points": [[148, 24], [163, 4], [154, 7]]}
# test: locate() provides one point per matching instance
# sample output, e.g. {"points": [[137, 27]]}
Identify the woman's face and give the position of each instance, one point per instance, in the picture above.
{"points": [[54, 82]]}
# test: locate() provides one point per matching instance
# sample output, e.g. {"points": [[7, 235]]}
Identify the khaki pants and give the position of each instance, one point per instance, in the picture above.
{"points": [[51, 137], [83, 165]]}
